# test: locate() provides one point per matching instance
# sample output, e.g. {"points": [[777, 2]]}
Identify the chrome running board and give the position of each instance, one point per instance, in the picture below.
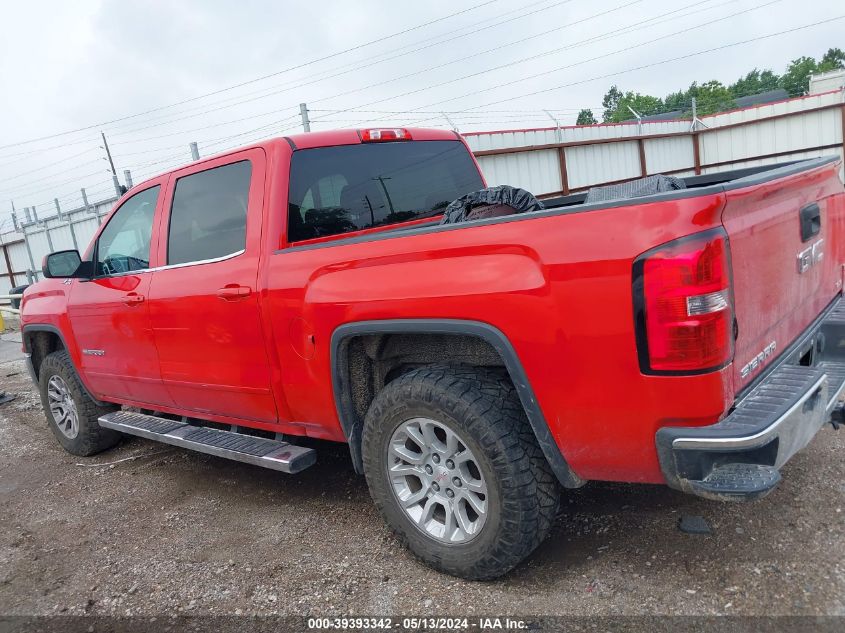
{"points": [[259, 451]]}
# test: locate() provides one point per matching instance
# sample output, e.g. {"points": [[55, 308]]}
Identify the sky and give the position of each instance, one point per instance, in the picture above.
{"points": [[155, 76]]}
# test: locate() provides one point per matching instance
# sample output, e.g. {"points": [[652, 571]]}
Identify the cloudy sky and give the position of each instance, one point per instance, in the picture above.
{"points": [[156, 75]]}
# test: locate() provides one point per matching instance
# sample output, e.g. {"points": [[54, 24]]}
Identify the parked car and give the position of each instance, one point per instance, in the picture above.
{"points": [[305, 287]]}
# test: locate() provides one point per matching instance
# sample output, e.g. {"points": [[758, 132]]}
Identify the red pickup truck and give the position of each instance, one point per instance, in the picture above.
{"points": [[306, 287]]}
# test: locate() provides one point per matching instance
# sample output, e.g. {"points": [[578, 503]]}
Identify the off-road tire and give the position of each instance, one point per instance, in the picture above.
{"points": [[91, 438], [482, 407]]}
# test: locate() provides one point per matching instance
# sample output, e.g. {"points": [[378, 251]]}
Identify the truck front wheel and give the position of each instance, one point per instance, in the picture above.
{"points": [[71, 413], [454, 467]]}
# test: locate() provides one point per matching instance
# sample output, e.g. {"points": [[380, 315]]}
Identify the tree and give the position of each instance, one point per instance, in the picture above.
{"points": [[610, 103], [710, 97], [755, 82], [640, 103], [833, 59], [713, 96], [677, 101], [616, 104], [585, 117], [796, 79]]}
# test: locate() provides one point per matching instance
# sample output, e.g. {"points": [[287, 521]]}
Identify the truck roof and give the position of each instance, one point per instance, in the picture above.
{"points": [[323, 138], [327, 138]]}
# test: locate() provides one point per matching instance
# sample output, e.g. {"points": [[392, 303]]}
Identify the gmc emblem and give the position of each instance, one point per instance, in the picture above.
{"points": [[809, 257]]}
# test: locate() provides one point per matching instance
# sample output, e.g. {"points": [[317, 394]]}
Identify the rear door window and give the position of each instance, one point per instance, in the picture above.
{"points": [[208, 214], [336, 190]]}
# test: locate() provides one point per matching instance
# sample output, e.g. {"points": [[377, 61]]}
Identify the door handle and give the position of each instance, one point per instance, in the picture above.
{"points": [[234, 292], [133, 299], [811, 221]]}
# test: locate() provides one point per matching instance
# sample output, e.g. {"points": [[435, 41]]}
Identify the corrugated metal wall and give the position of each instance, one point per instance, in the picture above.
{"points": [[786, 136], [750, 134], [74, 230]]}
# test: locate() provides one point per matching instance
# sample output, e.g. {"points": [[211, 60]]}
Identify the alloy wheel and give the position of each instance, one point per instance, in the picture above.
{"points": [[437, 480]]}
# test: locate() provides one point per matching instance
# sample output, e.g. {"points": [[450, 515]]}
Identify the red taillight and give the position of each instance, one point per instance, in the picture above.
{"points": [[385, 134], [683, 305]]}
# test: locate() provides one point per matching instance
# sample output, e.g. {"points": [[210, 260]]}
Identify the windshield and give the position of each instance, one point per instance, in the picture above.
{"points": [[336, 190]]}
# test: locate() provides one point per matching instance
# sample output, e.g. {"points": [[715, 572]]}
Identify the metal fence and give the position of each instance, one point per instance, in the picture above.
{"points": [[25, 248], [555, 161]]}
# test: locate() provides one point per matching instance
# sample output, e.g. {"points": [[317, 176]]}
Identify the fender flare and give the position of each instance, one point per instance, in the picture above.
{"points": [[44, 327], [352, 425]]}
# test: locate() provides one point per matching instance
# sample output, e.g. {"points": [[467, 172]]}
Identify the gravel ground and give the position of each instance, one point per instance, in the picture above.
{"points": [[175, 532]]}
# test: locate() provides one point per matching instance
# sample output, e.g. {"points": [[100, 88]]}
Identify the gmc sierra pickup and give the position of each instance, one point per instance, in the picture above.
{"points": [[306, 287]]}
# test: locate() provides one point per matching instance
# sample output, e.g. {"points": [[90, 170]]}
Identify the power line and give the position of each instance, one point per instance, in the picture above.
{"points": [[476, 54], [198, 129], [262, 78], [48, 177], [42, 190], [626, 49], [346, 70], [32, 171], [653, 64], [607, 35], [474, 27]]}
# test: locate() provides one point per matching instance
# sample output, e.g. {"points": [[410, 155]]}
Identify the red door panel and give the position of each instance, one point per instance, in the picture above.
{"points": [[205, 313], [110, 320], [110, 314]]}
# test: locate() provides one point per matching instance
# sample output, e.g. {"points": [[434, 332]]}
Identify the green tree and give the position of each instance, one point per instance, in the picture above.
{"points": [[640, 103], [585, 117], [710, 97], [610, 103], [677, 101], [754, 82], [833, 59], [796, 79]]}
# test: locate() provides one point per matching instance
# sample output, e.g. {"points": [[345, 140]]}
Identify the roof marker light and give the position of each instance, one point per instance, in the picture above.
{"points": [[385, 134]]}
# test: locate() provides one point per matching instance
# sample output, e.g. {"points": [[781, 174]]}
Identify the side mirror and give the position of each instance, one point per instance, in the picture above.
{"points": [[61, 264]]}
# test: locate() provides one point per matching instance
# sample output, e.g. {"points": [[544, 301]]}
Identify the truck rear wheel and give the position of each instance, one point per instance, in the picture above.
{"points": [[71, 413], [454, 467]]}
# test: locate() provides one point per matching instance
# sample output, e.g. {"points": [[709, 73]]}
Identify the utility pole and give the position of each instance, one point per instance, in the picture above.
{"points": [[117, 188], [58, 209], [303, 112], [195, 151], [381, 180]]}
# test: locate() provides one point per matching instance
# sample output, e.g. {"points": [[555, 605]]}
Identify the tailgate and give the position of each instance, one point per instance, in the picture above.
{"points": [[786, 241]]}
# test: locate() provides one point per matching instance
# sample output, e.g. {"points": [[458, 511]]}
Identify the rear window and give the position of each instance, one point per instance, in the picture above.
{"points": [[336, 190]]}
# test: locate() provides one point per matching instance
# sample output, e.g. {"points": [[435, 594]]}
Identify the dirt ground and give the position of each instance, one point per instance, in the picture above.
{"points": [[175, 532]]}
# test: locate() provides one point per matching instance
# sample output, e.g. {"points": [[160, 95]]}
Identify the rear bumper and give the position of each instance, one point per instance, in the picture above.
{"points": [[739, 458]]}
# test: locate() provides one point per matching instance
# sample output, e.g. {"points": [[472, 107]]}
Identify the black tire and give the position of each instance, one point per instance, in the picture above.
{"points": [[91, 438], [482, 407]]}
